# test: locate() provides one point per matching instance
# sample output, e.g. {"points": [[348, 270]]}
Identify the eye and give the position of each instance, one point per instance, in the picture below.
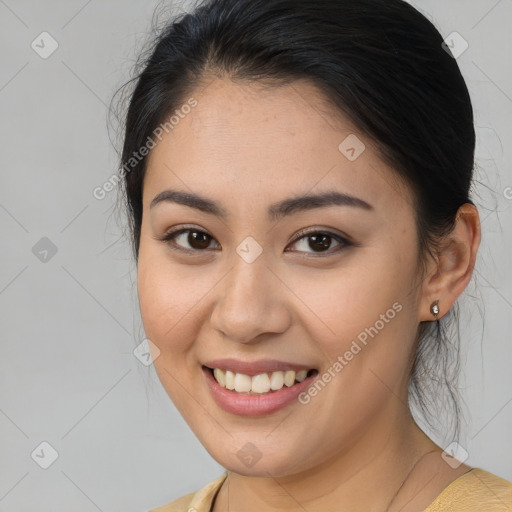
{"points": [[196, 239], [193, 240], [320, 242]]}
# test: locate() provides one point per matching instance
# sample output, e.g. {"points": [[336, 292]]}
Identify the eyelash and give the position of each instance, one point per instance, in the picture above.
{"points": [[344, 242]]}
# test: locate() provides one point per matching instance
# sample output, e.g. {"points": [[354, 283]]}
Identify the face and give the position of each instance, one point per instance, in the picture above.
{"points": [[272, 284]]}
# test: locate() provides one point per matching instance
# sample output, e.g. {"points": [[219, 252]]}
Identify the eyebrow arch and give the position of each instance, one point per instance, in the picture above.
{"points": [[275, 211]]}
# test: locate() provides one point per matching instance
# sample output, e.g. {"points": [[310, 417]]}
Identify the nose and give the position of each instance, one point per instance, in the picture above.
{"points": [[251, 301]]}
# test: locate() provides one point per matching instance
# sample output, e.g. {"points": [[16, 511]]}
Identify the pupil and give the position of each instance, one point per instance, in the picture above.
{"points": [[195, 238], [324, 244]]}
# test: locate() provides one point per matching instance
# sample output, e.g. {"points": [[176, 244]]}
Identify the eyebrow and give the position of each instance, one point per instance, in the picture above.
{"points": [[275, 211]]}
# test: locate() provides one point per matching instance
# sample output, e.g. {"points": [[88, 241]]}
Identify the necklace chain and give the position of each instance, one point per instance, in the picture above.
{"points": [[406, 478], [403, 482]]}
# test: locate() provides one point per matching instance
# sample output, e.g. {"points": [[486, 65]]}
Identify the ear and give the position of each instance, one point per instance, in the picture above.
{"points": [[449, 275]]}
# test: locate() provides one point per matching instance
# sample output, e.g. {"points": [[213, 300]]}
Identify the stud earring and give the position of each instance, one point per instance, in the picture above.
{"points": [[434, 308]]}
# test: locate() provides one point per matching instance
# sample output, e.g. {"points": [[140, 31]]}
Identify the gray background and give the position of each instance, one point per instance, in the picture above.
{"points": [[69, 324]]}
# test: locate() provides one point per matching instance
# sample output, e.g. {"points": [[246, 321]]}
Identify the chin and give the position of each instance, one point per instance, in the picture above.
{"points": [[249, 460]]}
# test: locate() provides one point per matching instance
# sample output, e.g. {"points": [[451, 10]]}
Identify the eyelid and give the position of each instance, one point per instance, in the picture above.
{"points": [[342, 239], [169, 235], [325, 231]]}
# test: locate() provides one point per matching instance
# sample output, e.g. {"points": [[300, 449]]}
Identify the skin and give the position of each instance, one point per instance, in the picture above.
{"points": [[246, 146]]}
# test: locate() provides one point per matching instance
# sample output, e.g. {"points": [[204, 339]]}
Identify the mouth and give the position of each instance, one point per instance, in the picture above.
{"points": [[260, 384], [262, 393]]}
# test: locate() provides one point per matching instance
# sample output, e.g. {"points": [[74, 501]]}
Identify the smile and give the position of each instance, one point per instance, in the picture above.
{"points": [[258, 384], [267, 390]]}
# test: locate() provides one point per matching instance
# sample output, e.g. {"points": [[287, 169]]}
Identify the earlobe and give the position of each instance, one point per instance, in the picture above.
{"points": [[454, 266]]}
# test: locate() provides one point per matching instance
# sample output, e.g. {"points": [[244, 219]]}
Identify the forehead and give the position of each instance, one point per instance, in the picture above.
{"points": [[265, 142]]}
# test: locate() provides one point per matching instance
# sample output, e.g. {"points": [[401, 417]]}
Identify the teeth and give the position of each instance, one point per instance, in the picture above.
{"points": [[258, 384], [242, 383], [301, 375], [220, 376], [276, 380], [230, 379], [289, 378]]}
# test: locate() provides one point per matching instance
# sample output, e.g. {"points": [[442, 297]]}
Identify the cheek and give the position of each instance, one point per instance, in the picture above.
{"points": [[343, 302], [363, 314], [167, 300]]}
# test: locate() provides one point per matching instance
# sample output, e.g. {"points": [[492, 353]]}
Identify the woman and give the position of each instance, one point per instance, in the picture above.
{"points": [[297, 177]]}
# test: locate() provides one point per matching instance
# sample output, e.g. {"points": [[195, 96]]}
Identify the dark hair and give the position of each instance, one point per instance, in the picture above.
{"points": [[379, 62]]}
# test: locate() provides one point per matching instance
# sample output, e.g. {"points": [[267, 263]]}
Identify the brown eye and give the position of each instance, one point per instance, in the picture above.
{"points": [[320, 242], [188, 240], [198, 239], [191, 240]]}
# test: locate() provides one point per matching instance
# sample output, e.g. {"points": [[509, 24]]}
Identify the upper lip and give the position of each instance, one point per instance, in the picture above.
{"points": [[252, 368]]}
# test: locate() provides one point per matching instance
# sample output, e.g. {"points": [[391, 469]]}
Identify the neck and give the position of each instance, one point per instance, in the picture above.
{"points": [[367, 476]]}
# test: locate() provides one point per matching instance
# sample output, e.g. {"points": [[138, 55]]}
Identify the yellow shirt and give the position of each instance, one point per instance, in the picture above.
{"points": [[475, 491]]}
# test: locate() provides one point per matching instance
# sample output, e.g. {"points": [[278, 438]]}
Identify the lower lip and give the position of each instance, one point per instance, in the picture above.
{"points": [[254, 405]]}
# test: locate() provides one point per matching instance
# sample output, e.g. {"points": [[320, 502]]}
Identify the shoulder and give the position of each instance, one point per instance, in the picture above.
{"points": [[179, 505], [198, 501], [476, 490]]}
